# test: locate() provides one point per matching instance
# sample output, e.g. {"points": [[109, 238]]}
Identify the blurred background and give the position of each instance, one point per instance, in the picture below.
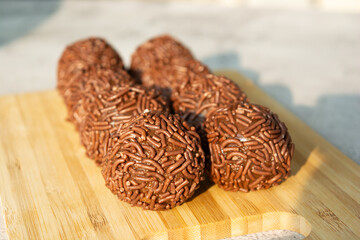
{"points": [[304, 53]]}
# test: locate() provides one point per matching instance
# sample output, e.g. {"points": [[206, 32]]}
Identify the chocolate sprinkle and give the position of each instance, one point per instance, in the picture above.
{"points": [[151, 167], [250, 147]]}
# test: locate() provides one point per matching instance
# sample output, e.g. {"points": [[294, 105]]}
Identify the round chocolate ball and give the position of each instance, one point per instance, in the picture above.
{"points": [[156, 163], [85, 54], [199, 95], [153, 61], [103, 113], [83, 89], [250, 147], [170, 77]]}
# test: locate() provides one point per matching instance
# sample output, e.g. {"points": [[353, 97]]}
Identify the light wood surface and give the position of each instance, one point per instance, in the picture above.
{"points": [[50, 190]]}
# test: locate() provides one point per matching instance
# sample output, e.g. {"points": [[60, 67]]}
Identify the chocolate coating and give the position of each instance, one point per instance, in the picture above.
{"points": [[83, 89], [83, 55], [156, 163], [153, 62], [101, 113], [200, 94], [250, 147]]}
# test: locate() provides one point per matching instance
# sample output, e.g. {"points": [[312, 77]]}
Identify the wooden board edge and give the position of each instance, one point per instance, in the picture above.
{"points": [[240, 226]]}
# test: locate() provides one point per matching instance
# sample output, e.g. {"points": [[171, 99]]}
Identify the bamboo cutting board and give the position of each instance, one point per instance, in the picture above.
{"points": [[50, 190]]}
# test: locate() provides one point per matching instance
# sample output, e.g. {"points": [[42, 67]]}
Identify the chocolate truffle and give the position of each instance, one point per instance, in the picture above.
{"points": [[156, 162], [103, 112], [154, 60], [200, 94], [83, 88], [83, 55], [250, 147]]}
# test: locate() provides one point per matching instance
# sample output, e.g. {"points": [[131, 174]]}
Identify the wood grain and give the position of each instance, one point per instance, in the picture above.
{"points": [[50, 190]]}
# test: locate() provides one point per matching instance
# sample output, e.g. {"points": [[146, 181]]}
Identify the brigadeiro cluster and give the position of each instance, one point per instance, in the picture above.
{"points": [[249, 148], [149, 138], [156, 161]]}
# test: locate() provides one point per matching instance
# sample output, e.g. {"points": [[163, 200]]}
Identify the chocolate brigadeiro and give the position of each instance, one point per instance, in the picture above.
{"points": [[104, 112], [154, 60], [199, 95], [250, 147], [81, 92], [83, 55], [156, 163]]}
